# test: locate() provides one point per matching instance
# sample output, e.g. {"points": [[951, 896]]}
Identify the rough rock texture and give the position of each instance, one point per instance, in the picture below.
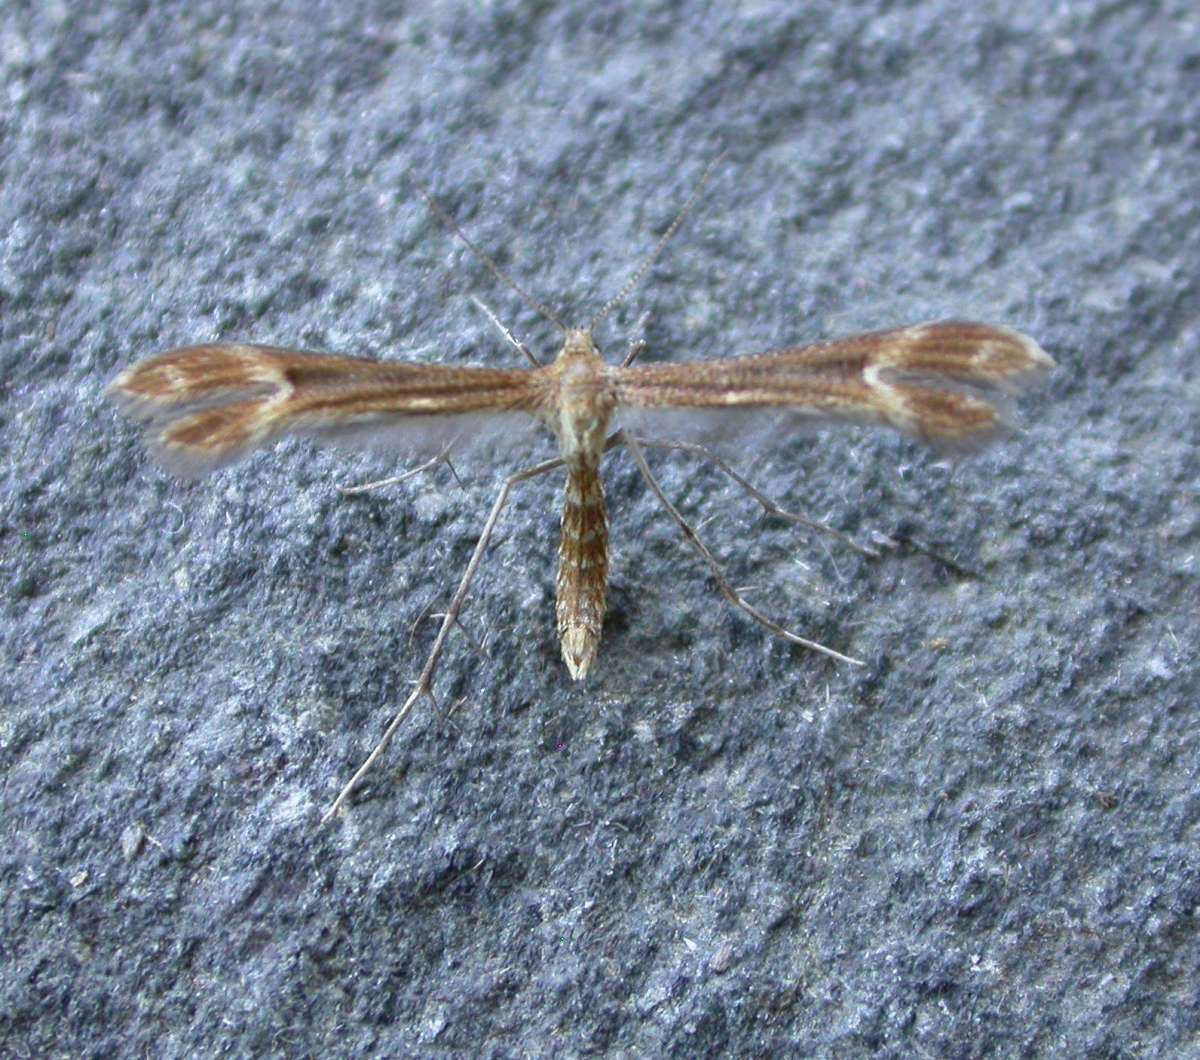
{"points": [[983, 842]]}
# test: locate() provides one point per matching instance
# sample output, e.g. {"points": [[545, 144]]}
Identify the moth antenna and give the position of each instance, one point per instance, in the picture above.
{"points": [[449, 222], [640, 272]]}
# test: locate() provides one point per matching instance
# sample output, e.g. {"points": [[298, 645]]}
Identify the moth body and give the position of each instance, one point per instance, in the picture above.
{"points": [[581, 412]]}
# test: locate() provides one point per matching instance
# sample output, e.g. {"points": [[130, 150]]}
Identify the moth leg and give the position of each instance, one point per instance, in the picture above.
{"points": [[368, 487], [638, 344], [768, 505], [727, 589], [424, 683], [529, 354]]}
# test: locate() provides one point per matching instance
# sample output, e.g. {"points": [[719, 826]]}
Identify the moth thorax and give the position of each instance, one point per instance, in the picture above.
{"points": [[585, 400]]}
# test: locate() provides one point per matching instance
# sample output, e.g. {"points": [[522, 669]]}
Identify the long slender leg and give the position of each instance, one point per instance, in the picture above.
{"points": [[506, 333], [367, 487], [424, 681], [727, 590], [638, 345], [768, 505], [889, 542]]}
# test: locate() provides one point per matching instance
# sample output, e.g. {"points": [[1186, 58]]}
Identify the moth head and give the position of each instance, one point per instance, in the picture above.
{"points": [[579, 344]]}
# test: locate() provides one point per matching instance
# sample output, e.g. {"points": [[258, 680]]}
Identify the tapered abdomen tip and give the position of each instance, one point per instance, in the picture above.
{"points": [[579, 647]]}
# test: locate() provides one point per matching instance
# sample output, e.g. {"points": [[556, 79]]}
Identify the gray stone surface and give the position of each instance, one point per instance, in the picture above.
{"points": [[984, 842]]}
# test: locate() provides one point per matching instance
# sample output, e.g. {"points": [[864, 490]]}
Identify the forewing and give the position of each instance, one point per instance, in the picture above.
{"points": [[207, 406], [946, 383]]}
